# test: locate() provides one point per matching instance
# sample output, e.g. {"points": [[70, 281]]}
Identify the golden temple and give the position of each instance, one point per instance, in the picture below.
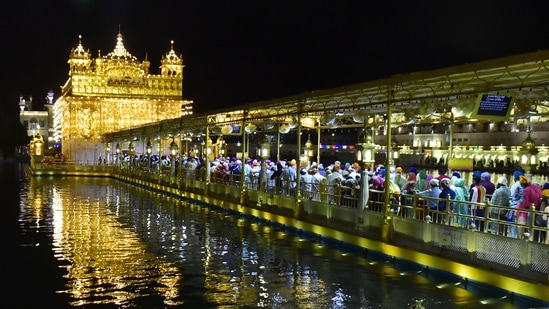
{"points": [[114, 92]]}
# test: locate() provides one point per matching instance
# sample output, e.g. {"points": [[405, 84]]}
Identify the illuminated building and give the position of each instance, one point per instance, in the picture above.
{"points": [[114, 92], [36, 121]]}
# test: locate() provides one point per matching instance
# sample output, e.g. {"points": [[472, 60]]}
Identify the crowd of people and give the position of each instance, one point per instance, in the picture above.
{"points": [[467, 203], [448, 198]]}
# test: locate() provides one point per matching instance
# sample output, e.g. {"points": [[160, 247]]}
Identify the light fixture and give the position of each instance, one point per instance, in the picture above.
{"points": [[309, 150], [293, 123], [173, 147], [359, 116], [221, 146], [208, 144], [226, 129], [308, 122], [264, 147], [284, 128], [250, 128], [365, 148], [528, 152], [148, 148]]}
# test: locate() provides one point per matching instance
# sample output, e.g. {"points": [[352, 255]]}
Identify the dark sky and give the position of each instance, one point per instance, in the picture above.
{"points": [[239, 52]]}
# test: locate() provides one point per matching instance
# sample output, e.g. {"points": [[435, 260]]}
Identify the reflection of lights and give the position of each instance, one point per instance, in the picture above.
{"points": [[86, 236]]}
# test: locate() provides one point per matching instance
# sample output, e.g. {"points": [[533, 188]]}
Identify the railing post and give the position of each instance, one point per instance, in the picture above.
{"points": [[531, 221], [448, 210], [487, 218]]}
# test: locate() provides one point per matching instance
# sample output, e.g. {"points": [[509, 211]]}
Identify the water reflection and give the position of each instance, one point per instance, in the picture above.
{"points": [[105, 261], [125, 246]]}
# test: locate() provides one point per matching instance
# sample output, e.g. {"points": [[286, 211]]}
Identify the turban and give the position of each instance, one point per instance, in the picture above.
{"points": [[502, 180]]}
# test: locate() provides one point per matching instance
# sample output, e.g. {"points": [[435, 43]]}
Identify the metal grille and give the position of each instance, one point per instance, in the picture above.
{"points": [[498, 250], [540, 259], [452, 239]]}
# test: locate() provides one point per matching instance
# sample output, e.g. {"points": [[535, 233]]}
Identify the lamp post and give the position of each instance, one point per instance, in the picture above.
{"points": [[131, 148], [37, 153], [528, 153], [264, 153], [148, 149], [173, 151], [118, 154], [38, 144], [309, 150], [221, 146], [107, 153], [159, 153], [365, 149]]}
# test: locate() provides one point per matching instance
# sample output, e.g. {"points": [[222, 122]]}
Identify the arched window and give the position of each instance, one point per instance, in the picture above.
{"points": [[33, 124]]}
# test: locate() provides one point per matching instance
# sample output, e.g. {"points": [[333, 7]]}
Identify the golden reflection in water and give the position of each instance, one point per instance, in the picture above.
{"points": [[258, 279], [108, 264], [104, 258]]}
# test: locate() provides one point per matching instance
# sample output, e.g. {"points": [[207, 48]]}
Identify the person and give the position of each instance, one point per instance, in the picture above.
{"points": [[350, 184], [317, 180], [544, 206], [446, 193], [290, 178], [399, 179], [422, 183], [394, 192], [487, 183], [462, 195], [407, 197], [541, 219], [247, 171], [412, 175], [376, 196], [334, 184], [431, 194], [516, 197], [531, 195], [478, 196], [442, 170], [306, 183], [501, 197], [276, 176]]}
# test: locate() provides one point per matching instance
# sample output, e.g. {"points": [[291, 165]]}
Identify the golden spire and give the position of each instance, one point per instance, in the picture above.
{"points": [[79, 59], [79, 52], [171, 64], [146, 64], [120, 51]]}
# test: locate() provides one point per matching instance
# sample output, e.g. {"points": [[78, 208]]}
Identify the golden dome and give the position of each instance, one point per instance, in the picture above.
{"points": [[120, 62], [120, 53]]}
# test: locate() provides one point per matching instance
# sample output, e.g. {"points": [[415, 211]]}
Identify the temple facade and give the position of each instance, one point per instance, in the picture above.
{"points": [[112, 92]]}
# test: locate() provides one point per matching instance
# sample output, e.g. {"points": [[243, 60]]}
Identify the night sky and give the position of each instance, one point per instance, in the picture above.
{"points": [[238, 52]]}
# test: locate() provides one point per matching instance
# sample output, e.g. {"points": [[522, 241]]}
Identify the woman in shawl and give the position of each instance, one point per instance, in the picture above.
{"points": [[422, 182], [461, 195]]}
